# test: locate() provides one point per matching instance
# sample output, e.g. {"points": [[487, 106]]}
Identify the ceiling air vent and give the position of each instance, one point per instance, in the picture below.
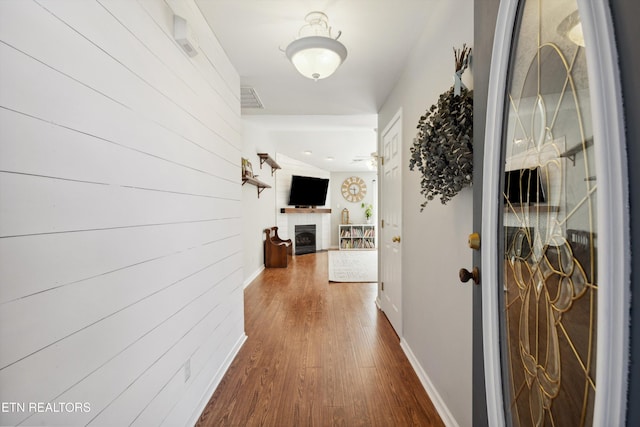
{"points": [[249, 98]]}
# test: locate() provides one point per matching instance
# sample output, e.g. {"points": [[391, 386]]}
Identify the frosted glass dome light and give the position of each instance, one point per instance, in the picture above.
{"points": [[315, 54]]}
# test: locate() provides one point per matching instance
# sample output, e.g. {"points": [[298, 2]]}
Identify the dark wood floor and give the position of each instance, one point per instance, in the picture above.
{"points": [[318, 354]]}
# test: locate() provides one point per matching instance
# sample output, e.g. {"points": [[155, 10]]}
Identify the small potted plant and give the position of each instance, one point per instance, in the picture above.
{"points": [[368, 210]]}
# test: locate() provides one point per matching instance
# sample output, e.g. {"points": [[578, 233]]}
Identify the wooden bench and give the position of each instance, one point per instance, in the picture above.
{"points": [[276, 250], [276, 238]]}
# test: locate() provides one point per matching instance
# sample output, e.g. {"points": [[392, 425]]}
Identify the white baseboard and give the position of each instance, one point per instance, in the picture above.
{"points": [[253, 276], [435, 397], [215, 381]]}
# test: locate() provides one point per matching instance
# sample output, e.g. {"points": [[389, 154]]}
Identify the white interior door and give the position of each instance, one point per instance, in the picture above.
{"points": [[391, 223]]}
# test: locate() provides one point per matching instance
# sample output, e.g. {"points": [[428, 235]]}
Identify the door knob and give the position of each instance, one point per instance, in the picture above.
{"points": [[474, 274], [395, 239]]}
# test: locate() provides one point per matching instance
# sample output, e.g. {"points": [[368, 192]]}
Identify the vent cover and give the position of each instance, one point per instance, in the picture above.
{"points": [[249, 98], [182, 34]]}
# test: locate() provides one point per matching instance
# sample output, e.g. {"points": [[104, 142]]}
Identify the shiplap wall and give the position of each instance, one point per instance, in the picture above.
{"points": [[287, 222], [120, 219]]}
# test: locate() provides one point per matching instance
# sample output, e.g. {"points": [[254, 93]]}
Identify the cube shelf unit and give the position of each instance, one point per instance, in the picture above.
{"points": [[357, 237]]}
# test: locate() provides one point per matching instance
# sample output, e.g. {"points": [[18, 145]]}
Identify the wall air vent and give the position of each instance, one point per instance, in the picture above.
{"points": [[249, 98], [184, 37]]}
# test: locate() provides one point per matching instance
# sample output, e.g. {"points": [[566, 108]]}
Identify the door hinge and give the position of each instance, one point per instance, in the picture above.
{"points": [[382, 160], [382, 223], [382, 286]]}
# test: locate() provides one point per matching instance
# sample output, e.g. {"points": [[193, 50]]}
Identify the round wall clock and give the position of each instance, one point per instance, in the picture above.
{"points": [[354, 189]]}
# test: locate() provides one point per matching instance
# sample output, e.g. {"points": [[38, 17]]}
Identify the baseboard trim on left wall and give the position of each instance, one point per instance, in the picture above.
{"points": [[211, 388], [436, 399], [253, 276], [215, 381]]}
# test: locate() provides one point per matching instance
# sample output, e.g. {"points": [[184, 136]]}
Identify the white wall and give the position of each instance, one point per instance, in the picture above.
{"points": [[356, 212], [258, 213], [120, 223], [437, 319], [287, 221]]}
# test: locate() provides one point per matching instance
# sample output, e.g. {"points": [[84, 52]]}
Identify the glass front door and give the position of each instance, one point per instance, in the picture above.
{"points": [[549, 292]]}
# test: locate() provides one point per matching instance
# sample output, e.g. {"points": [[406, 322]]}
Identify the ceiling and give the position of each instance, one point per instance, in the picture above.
{"points": [[334, 117]]}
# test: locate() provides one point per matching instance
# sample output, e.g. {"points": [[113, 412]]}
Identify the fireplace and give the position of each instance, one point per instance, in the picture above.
{"points": [[305, 239]]}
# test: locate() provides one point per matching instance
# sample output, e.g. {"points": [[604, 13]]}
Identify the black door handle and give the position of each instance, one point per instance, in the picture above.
{"points": [[474, 274]]}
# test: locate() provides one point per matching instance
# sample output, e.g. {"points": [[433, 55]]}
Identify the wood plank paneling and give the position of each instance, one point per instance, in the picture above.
{"points": [[37, 322], [35, 89], [120, 212], [63, 259], [110, 162], [85, 26], [52, 206]]}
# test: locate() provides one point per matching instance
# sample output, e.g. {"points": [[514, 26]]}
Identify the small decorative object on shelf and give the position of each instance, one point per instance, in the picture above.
{"points": [[249, 177], [345, 216], [443, 148], [247, 169], [368, 211], [357, 236]]}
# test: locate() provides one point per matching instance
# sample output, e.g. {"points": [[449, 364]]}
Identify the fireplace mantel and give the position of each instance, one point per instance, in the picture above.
{"points": [[288, 218], [306, 210]]}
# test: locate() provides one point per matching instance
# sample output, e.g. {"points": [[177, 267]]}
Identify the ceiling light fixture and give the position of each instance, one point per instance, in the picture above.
{"points": [[316, 54], [571, 28]]}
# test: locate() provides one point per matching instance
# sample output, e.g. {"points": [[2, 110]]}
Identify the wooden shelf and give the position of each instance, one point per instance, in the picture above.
{"points": [[266, 158], [539, 208], [253, 181], [305, 210], [571, 152]]}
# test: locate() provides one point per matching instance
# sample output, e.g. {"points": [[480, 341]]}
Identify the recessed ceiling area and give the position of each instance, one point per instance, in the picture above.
{"points": [[379, 36], [332, 143]]}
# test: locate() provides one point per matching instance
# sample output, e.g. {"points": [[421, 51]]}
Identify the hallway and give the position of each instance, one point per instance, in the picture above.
{"points": [[318, 354]]}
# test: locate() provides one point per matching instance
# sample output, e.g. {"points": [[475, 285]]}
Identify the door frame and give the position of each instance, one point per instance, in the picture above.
{"points": [[612, 208]]}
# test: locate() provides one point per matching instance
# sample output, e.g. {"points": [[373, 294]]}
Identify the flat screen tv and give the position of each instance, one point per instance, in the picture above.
{"points": [[308, 191], [523, 186]]}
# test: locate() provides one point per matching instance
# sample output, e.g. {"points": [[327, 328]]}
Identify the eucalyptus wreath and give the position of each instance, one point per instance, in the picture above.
{"points": [[443, 148]]}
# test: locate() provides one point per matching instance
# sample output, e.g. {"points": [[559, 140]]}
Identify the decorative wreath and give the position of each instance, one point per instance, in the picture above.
{"points": [[443, 148]]}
